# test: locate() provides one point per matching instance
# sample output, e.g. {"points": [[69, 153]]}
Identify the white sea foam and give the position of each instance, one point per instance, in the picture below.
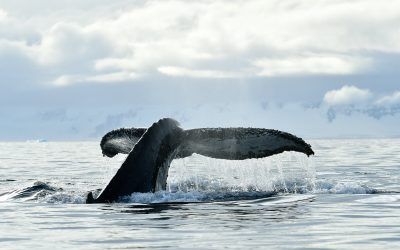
{"points": [[208, 191], [60, 198], [342, 188]]}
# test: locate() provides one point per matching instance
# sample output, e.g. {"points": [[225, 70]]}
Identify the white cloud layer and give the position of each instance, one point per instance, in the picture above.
{"points": [[205, 39], [347, 95]]}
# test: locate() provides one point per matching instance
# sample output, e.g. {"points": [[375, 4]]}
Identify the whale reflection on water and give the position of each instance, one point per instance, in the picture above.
{"points": [[231, 214]]}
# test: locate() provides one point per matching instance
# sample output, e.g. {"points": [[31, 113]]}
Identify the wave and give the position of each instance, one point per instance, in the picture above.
{"points": [[203, 190], [34, 192], [345, 188]]}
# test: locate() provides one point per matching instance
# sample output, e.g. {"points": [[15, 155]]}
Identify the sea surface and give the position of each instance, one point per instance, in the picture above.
{"points": [[347, 196]]}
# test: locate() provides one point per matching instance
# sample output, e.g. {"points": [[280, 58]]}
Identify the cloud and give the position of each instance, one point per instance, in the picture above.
{"points": [[350, 100], [218, 39], [311, 64], [3, 15], [392, 99], [347, 95], [114, 77], [106, 64], [67, 44], [179, 71]]}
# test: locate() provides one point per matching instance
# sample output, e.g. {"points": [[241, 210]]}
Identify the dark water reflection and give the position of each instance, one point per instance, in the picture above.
{"points": [[230, 214], [156, 208]]}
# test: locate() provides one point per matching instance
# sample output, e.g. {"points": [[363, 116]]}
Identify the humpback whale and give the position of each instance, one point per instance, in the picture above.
{"points": [[151, 151]]}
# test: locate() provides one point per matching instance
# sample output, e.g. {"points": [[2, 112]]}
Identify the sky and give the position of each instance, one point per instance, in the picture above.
{"points": [[73, 70]]}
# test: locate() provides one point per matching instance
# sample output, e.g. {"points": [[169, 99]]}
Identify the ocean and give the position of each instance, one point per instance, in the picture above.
{"points": [[346, 196]]}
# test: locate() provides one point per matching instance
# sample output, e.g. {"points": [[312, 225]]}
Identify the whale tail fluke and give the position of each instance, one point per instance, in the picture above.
{"points": [[220, 143], [151, 151]]}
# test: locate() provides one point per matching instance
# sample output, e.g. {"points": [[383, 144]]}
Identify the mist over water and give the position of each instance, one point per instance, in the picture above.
{"points": [[350, 187]]}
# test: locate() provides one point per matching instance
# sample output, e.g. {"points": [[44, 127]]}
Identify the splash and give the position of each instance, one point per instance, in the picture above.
{"points": [[201, 179], [279, 173]]}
